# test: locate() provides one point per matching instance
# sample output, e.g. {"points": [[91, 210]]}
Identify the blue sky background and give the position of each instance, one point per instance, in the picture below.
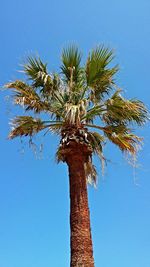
{"points": [[34, 200]]}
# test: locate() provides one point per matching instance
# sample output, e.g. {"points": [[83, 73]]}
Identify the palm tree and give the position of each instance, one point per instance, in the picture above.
{"points": [[77, 100]]}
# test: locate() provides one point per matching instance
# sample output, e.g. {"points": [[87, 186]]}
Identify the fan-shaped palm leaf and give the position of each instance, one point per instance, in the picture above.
{"points": [[100, 78], [36, 70], [71, 58]]}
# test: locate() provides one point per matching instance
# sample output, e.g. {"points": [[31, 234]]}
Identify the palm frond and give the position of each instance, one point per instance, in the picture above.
{"points": [[36, 70], [99, 76], [120, 110], [26, 96], [71, 58], [72, 114], [97, 141], [26, 125], [96, 110], [53, 87], [90, 172], [122, 137], [55, 128]]}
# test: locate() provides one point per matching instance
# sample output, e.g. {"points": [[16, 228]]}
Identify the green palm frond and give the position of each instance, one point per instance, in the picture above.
{"points": [[26, 125], [26, 96], [96, 110], [71, 58], [36, 70], [120, 110], [57, 110], [99, 76]]}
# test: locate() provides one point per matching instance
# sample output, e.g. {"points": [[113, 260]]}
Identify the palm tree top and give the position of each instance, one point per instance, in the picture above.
{"points": [[80, 97]]}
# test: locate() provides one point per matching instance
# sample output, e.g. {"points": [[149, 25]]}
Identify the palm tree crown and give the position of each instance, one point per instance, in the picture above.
{"points": [[76, 100]]}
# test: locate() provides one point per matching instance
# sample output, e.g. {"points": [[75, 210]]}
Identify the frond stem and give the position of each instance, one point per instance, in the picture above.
{"points": [[97, 127], [56, 96], [56, 122]]}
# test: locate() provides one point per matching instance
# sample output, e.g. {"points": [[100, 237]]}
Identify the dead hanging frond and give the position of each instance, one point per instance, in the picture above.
{"points": [[90, 172], [97, 142], [72, 113], [36, 148], [83, 107]]}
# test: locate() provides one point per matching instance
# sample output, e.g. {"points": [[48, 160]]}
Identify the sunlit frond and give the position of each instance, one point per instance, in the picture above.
{"points": [[92, 113], [71, 58], [99, 76], [123, 138], [120, 110]]}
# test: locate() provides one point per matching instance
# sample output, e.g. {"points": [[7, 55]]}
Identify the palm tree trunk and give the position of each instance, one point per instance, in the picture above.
{"points": [[81, 241]]}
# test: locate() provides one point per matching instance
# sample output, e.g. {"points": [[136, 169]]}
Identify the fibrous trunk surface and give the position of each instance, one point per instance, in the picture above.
{"points": [[81, 241]]}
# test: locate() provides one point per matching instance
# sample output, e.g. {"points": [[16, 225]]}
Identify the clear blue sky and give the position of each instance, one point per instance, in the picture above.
{"points": [[34, 200]]}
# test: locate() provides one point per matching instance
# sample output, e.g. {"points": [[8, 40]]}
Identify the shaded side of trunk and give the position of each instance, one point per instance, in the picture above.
{"points": [[81, 241]]}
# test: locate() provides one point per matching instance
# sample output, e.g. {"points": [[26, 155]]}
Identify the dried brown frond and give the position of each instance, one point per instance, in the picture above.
{"points": [[26, 125]]}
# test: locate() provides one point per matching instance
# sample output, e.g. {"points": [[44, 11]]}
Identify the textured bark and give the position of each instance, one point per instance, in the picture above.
{"points": [[81, 241]]}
